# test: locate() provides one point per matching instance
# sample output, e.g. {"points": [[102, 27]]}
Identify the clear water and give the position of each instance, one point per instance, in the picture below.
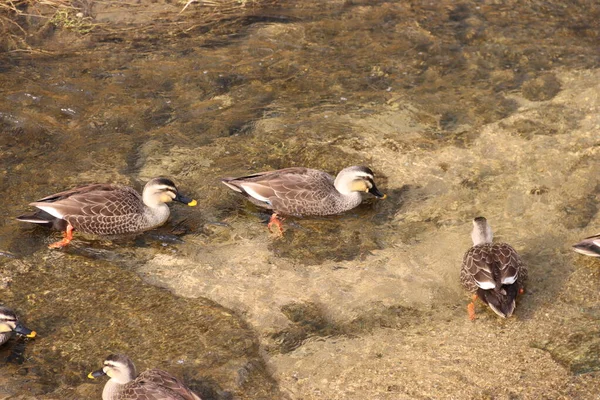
{"points": [[461, 110]]}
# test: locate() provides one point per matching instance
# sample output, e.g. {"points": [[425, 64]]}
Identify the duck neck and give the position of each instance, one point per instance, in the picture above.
{"points": [[348, 201], [482, 233], [112, 389], [157, 215], [4, 336]]}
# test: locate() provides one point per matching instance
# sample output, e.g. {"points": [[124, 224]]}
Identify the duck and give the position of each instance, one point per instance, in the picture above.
{"points": [[590, 246], [494, 272], [106, 209], [9, 323], [126, 384], [300, 191]]}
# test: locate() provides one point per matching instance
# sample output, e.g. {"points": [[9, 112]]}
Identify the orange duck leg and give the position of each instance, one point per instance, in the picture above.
{"points": [[66, 240], [471, 308], [276, 221]]}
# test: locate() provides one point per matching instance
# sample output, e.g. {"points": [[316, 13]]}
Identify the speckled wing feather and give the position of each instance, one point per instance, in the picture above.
{"points": [[491, 265], [97, 187], [99, 209], [157, 385], [292, 191]]}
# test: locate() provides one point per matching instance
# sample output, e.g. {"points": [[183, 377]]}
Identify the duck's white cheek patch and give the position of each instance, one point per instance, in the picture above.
{"points": [[52, 211], [254, 194]]}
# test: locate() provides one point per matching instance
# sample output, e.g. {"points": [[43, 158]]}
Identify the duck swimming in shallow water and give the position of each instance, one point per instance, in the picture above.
{"points": [[303, 191], [106, 209], [589, 246], [9, 323], [125, 384], [493, 271]]}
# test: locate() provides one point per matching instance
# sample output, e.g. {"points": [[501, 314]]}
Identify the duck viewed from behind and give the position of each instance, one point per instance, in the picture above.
{"points": [[303, 191], [9, 323], [107, 209], [493, 271], [125, 384]]}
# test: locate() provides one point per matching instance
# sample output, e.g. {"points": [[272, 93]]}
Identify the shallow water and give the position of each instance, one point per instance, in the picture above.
{"points": [[461, 110]]}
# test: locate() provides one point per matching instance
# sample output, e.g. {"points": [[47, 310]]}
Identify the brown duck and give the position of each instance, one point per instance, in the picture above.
{"points": [[106, 209], [125, 384], [303, 191], [494, 272]]}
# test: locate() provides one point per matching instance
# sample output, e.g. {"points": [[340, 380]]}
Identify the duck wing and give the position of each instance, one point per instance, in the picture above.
{"points": [[495, 272], [92, 200], [278, 189], [160, 385], [489, 266], [80, 190]]}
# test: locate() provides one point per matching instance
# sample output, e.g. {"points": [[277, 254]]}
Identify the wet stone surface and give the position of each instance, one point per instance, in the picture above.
{"points": [[84, 312]]}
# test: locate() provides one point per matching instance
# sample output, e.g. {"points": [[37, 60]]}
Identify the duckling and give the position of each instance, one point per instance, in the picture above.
{"points": [[589, 246], [106, 209], [493, 271], [303, 191], [125, 384], [9, 323]]}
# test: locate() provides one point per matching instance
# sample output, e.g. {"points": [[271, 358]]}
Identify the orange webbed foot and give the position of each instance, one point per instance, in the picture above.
{"points": [[59, 244], [278, 222], [66, 240], [471, 308]]}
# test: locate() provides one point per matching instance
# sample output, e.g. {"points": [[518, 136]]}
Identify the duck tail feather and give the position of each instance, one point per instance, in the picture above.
{"points": [[231, 186], [587, 247], [41, 217], [502, 301]]}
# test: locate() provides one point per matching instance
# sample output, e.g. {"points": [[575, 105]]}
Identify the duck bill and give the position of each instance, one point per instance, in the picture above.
{"points": [[96, 374], [185, 200], [375, 192], [24, 331]]}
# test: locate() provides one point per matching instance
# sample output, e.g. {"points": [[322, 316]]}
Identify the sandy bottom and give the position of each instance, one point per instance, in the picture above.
{"points": [[393, 323]]}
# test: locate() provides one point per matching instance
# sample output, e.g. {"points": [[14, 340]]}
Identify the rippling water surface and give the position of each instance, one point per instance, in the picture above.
{"points": [[461, 109]]}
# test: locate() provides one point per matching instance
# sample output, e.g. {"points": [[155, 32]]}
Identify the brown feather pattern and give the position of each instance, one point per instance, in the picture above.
{"points": [[101, 209], [489, 270], [155, 384], [295, 191], [491, 262]]}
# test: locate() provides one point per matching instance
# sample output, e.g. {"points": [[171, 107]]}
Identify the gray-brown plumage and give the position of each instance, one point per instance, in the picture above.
{"points": [[9, 323], [107, 209], [589, 246], [125, 384], [493, 271], [304, 191]]}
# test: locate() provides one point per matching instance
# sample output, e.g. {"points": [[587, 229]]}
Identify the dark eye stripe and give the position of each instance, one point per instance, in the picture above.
{"points": [[167, 189], [111, 365]]}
